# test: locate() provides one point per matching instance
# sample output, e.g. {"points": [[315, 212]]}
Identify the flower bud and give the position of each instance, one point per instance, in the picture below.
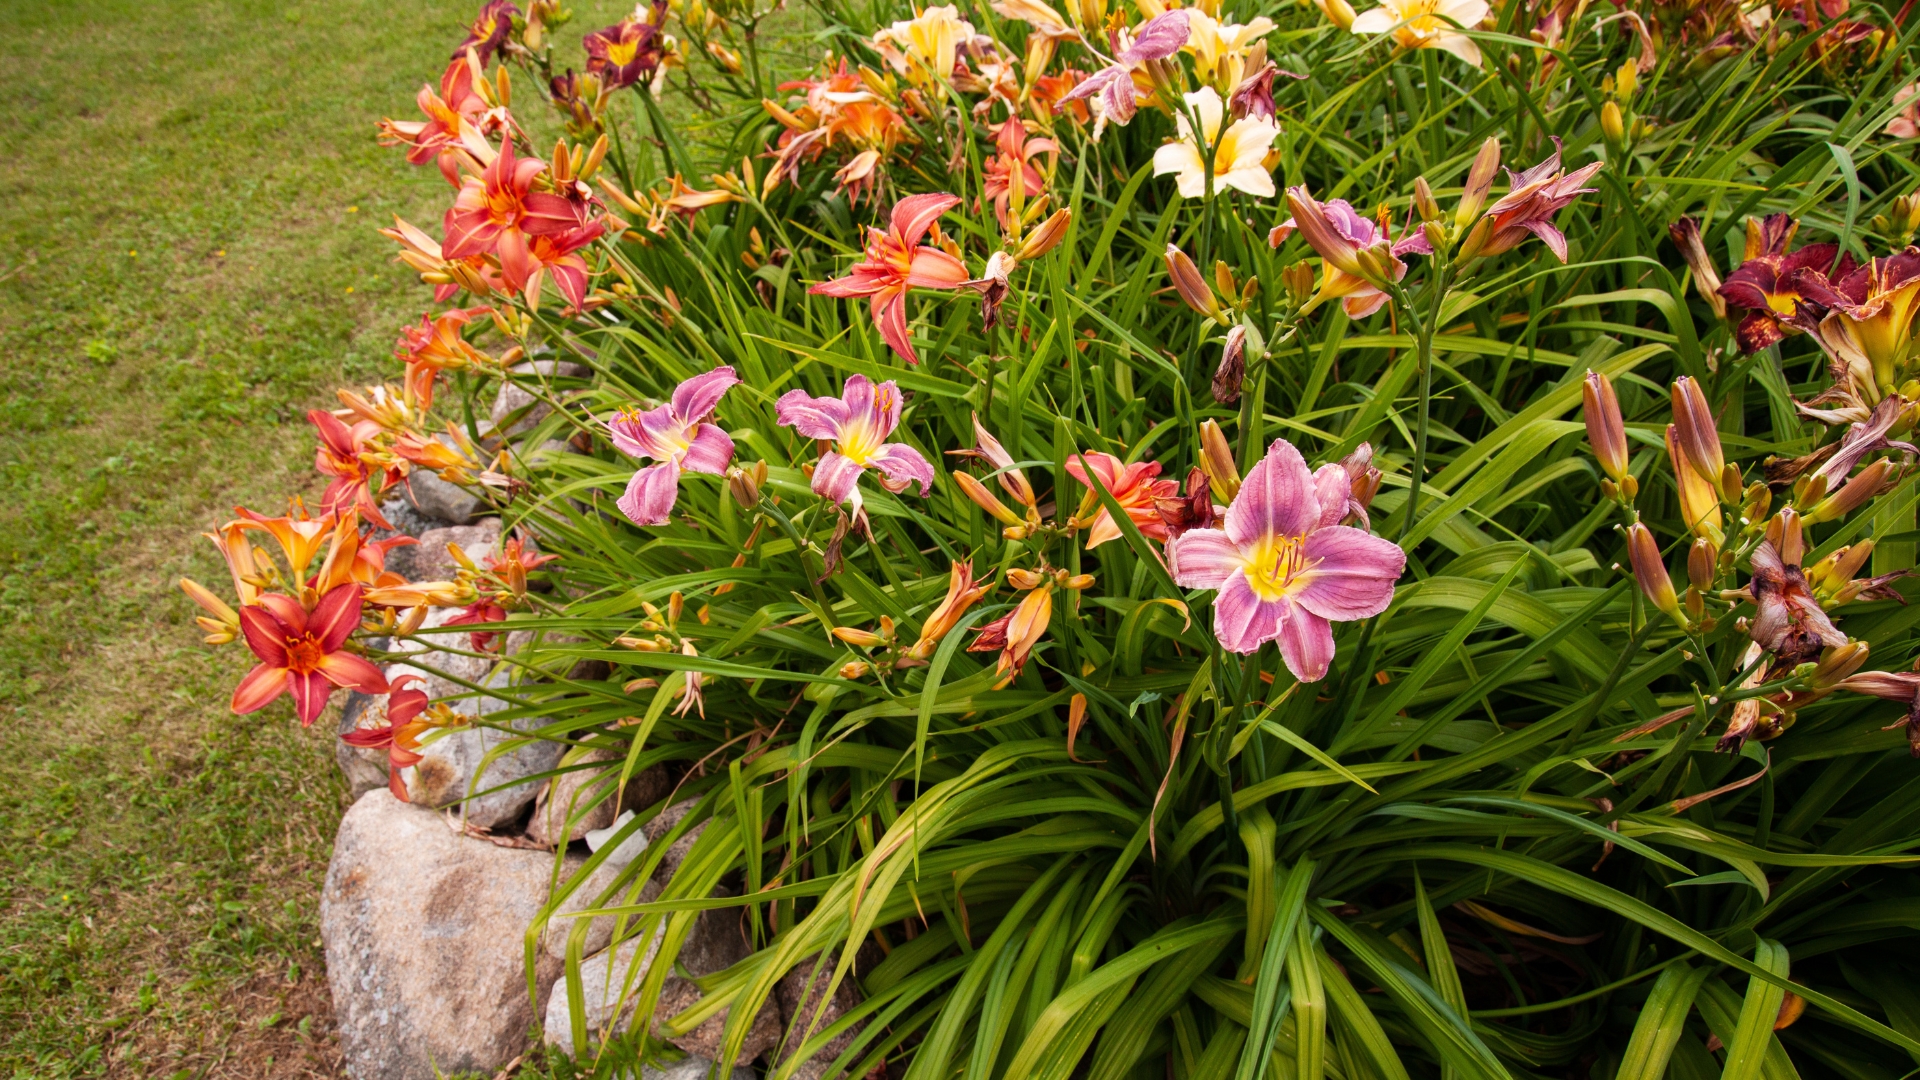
{"points": [[1298, 281], [1699, 499], [1837, 662], [1338, 12], [1706, 277], [1025, 579], [1606, 430], [854, 669], [1078, 582], [1864, 485], [1424, 203], [745, 481], [1045, 238], [727, 59], [1699, 431], [1223, 279], [1626, 79], [1703, 563], [1191, 286], [865, 639], [1479, 183], [1784, 533], [1612, 124], [1650, 571], [1233, 367], [1216, 457], [1477, 240], [984, 499]]}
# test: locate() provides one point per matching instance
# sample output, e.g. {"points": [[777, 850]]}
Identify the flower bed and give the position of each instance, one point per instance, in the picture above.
{"points": [[1072, 550]]}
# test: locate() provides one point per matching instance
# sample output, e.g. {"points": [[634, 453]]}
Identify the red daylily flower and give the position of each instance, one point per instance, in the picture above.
{"points": [[1781, 292], [300, 653], [450, 121], [436, 345], [896, 261], [498, 212], [341, 455], [1136, 487], [1013, 167], [481, 611], [400, 735]]}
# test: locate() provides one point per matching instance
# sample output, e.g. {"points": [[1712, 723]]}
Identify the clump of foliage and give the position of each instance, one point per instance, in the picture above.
{"points": [[1137, 520]]}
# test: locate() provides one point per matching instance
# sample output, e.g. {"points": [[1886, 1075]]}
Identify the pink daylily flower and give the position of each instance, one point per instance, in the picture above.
{"points": [[897, 261], [857, 423], [1284, 566], [1339, 233], [679, 437]]}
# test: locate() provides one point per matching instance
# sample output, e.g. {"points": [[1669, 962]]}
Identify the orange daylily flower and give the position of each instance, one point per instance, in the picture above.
{"points": [[1135, 487], [400, 735], [343, 454], [962, 594], [300, 653], [437, 345]]}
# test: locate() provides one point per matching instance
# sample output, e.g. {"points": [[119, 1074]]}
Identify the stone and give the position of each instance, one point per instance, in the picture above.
{"points": [[448, 765], [642, 790], [516, 410], [365, 768], [663, 824], [428, 560], [439, 500], [405, 519], [800, 994], [424, 932], [692, 1067], [599, 932], [716, 942]]}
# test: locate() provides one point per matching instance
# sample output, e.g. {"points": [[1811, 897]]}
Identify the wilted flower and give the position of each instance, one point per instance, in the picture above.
{"points": [[1906, 125], [1193, 509], [629, 50], [897, 261], [993, 285], [679, 438], [1015, 634], [489, 30], [1233, 367], [1706, 276], [1283, 567], [1788, 621], [858, 423], [1238, 152], [1536, 195], [300, 653], [1427, 24], [1136, 487], [1901, 686]]}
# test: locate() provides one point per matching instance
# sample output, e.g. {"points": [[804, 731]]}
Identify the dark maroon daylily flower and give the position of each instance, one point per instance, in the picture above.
{"points": [[1782, 293], [628, 51], [489, 30]]}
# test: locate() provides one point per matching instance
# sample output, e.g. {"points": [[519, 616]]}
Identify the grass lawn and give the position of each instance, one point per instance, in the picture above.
{"points": [[188, 262]]}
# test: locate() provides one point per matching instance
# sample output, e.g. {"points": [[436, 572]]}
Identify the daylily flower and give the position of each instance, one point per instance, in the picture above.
{"points": [[400, 735], [1110, 91], [1283, 567], [1536, 195], [1015, 634], [1192, 510], [473, 273], [897, 261], [437, 345], [484, 610], [300, 538], [679, 438], [300, 653], [341, 456], [489, 30], [858, 423], [1221, 50], [1238, 153], [449, 123], [1869, 326], [629, 50], [497, 212], [925, 45], [1773, 285], [1903, 686], [1010, 171], [962, 594], [1788, 621], [1340, 234], [1136, 487], [1906, 124], [554, 257], [581, 97], [1427, 24]]}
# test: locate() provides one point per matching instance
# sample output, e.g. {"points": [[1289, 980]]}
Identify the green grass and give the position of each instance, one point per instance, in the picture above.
{"points": [[188, 263]]}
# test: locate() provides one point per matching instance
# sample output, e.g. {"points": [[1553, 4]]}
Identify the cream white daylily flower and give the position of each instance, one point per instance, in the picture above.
{"points": [[1212, 42], [931, 39], [1427, 24], [1237, 157]]}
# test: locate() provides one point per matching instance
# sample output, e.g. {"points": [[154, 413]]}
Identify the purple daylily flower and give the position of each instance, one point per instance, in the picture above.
{"points": [[679, 438], [858, 423], [1284, 566], [1158, 38]]}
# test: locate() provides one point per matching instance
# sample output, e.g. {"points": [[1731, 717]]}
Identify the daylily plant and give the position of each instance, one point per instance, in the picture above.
{"points": [[897, 261], [857, 423]]}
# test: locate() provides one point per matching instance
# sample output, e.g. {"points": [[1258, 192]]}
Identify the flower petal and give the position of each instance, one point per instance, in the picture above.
{"points": [[1306, 643], [890, 318], [651, 494], [1202, 558], [1276, 499], [816, 418], [915, 214], [900, 462], [265, 636], [700, 395], [1349, 575], [336, 616], [835, 477], [710, 451], [1333, 487], [310, 693], [1241, 620], [259, 688], [633, 433], [353, 672]]}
